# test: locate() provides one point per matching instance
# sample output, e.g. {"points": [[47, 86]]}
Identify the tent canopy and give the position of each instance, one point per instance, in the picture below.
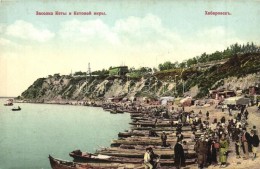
{"points": [[236, 101]]}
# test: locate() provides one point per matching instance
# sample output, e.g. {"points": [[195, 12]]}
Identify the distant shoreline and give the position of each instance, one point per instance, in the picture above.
{"points": [[6, 97], [95, 103]]}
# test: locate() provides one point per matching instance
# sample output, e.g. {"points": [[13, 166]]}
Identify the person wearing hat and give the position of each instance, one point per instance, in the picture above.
{"points": [[179, 156]]}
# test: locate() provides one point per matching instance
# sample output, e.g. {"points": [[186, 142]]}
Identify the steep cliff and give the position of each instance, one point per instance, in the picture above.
{"points": [[240, 71], [57, 88]]}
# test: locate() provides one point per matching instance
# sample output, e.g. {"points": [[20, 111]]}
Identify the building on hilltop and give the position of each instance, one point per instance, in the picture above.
{"points": [[216, 94], [118, 71]]}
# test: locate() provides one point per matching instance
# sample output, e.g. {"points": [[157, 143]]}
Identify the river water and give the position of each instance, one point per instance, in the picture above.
{"points": [[28, 136]]}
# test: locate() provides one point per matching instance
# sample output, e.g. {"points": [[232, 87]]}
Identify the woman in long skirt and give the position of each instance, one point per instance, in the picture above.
{"points": [[223, 143]]}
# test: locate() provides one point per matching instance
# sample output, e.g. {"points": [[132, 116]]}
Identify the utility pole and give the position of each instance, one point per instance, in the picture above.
{"points": [[182, 82], [183, 87], [89, 70], [156, 80], [175, 84], [128, 88]]}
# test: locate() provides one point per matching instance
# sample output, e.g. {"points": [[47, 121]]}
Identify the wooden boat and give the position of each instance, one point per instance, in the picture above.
{"points": [[119, 111], [137, 115], [62, 164], [158, 124], [16, 109], [184, 128], [131, 111], [86, 157], [165, 153], [9, 102], [113, 112], [129, 134], [143, 133], [146, 141]]}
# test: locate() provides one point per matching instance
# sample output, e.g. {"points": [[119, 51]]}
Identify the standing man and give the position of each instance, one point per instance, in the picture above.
{"points": [[255, 143], [246, 114], [180, 136], [207, 114], [230, 111], [179, 157], [245, 140], [201, 149], [164, 139], [147, 159]]}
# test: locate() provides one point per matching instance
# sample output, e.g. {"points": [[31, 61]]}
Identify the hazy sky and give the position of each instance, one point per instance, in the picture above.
{"points": [[134, 33]]}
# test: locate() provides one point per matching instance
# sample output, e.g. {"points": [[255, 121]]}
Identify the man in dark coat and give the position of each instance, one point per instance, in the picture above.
{"points": [[246, 114], [239, 115], [207, 114], [180, 136], [164, 139], [255, 143], [201, 149], [179, 157], [246, 143]]}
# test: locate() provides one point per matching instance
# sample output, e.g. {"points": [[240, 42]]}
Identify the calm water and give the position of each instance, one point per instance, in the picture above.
{"points": [[28, 136]]}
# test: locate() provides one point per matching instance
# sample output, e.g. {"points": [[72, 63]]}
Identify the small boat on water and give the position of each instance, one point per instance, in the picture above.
{"points": [[62, 164], [113, 112], [9, 102], [16, 109]]}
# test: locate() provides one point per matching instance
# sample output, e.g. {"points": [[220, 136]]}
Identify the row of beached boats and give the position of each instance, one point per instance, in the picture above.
{"points": [[128, 150]]}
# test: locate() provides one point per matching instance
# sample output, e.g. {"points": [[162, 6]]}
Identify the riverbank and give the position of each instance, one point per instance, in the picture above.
{"points": [[233, 162]]}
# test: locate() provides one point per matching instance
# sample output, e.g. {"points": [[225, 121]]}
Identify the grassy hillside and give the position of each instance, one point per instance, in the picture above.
{"points": [[205, 77]]}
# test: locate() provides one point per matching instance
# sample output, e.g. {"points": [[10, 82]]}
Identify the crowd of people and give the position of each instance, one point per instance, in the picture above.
{"points": [[213, 146]]}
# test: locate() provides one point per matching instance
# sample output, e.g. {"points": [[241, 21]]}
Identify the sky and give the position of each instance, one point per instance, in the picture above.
{"points": [[133, 33]]}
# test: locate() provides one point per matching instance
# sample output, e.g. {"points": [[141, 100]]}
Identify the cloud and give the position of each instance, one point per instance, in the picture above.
{"points": [[212, 39], [87, 31], [148, 29], [1, 28], [25, 30], [5, 42], [147, 37]]}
